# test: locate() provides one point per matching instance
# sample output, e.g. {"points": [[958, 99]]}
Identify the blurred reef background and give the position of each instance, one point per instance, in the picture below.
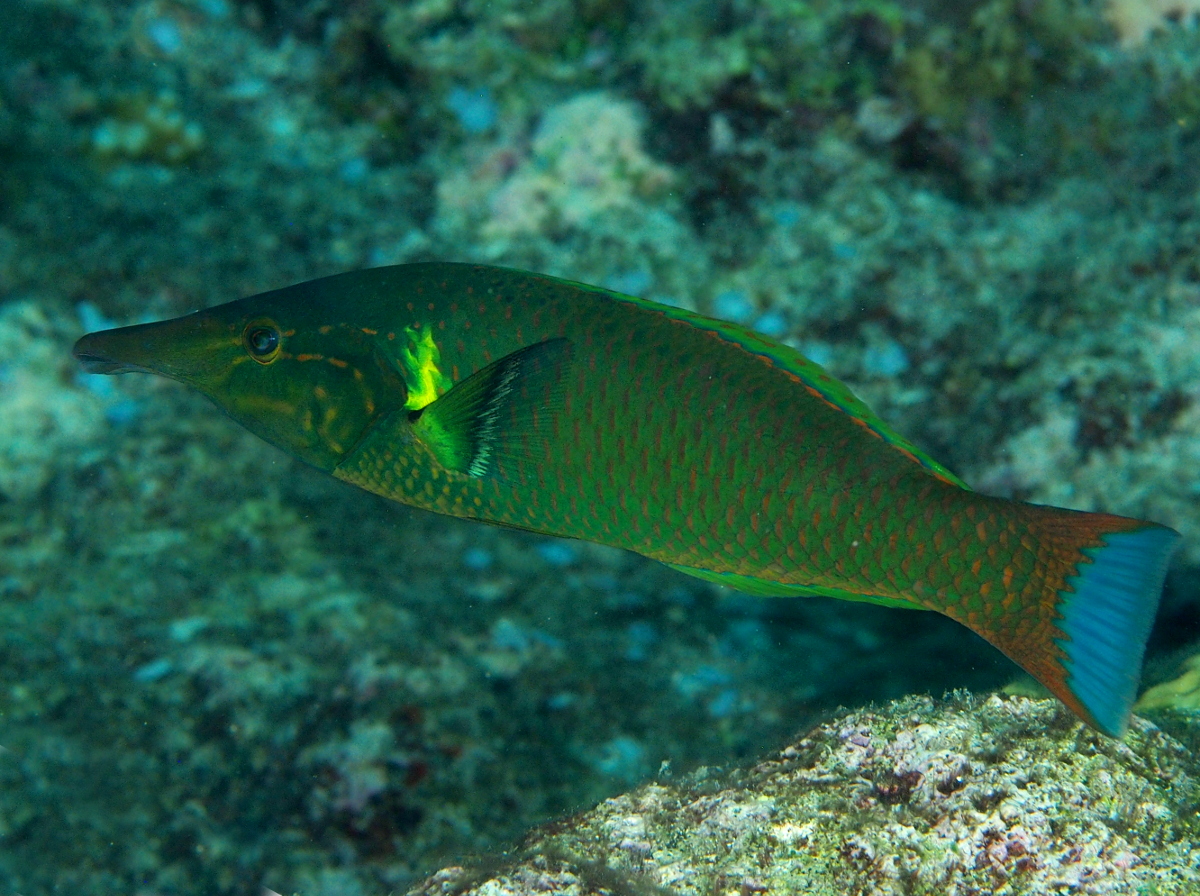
{"points": [[220, 670]]}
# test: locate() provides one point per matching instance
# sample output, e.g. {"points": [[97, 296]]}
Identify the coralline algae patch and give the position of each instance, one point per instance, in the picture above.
{"points": [[964, 798]]}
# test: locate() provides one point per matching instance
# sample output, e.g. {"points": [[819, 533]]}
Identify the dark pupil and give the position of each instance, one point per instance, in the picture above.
{"points": [[263, 341]]}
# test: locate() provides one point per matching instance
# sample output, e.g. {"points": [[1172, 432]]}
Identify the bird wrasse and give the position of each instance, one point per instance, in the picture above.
{"points": [[565, 409]]}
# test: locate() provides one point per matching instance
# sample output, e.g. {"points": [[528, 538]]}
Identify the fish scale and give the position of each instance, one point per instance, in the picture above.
{"points": [[548, 405]]}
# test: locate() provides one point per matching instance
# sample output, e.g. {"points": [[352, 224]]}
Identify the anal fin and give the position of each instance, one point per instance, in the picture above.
{"points": [[768, 588]]}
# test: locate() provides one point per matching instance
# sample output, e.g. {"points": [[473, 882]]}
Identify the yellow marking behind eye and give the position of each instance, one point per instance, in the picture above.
{"points": [[422, 374]]}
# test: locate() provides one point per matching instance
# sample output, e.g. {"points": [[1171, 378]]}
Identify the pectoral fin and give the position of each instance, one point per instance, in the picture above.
{"points": [[499, 416]]}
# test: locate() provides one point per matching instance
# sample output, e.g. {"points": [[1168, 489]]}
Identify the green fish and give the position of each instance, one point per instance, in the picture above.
{"points": [[570, 410]]}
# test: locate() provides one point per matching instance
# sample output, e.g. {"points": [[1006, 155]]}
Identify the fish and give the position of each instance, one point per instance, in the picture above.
{"points": [[552, 406]]}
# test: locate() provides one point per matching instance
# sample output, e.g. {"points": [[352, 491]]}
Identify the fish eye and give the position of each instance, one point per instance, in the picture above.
{"points": [[262, 341]]}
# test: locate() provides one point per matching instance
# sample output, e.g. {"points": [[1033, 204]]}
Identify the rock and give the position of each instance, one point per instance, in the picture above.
{"points": [[967, 796]]}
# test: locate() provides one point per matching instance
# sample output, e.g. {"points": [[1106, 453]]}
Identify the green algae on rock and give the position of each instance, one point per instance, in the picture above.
{"points": [[955, 798], [1181, 694]]}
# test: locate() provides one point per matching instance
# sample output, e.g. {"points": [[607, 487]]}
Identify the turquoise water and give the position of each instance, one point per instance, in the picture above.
{"points": [[222, 671]]}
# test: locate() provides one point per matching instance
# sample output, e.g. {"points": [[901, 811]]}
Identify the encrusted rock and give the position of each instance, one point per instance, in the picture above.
{"points": [[958, 798]]}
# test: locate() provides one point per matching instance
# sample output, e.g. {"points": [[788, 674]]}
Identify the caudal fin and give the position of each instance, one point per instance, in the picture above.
{"points": [[1106, 614], [1074, 604]]}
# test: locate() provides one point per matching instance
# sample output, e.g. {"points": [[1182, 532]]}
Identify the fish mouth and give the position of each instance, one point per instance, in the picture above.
{"points": [[94, 359], [96, 363]]}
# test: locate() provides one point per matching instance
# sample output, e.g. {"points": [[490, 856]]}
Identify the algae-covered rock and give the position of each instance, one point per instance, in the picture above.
{"points": [[1007, 796]]}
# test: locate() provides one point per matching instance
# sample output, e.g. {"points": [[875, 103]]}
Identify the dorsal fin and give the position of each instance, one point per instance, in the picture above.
{"points": [[499, 413], [808, 373]]}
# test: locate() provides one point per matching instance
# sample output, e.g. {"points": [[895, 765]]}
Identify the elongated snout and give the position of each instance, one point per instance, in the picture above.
{"points": [[185, 349]]}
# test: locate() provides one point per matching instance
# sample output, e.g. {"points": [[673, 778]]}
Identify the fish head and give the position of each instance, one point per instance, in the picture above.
{"points": [[309, 385]]}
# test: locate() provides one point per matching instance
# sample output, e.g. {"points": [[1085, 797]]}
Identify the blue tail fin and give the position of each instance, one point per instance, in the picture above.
{"points": [[1107, 618]]}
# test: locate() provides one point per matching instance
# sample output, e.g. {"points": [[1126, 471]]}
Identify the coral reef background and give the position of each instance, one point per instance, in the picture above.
{"points": [[221, 671]]}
